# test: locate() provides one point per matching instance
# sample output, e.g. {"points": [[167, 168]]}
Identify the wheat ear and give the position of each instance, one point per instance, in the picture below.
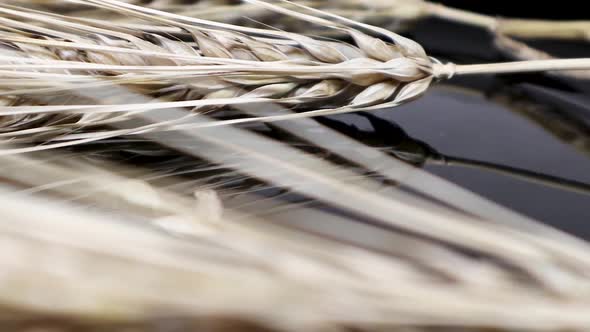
{"points": [[223, 65]]}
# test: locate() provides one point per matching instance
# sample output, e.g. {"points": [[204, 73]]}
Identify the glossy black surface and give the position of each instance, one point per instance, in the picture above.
{"points": [[536, 122]]}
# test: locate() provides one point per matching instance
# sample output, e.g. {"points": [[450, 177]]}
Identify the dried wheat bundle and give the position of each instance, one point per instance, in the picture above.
{"points": [[91, 245], [56, 68]]}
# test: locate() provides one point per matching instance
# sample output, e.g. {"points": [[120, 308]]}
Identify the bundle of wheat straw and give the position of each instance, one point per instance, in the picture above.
{"points": [[129, 249], [244, 268], [51, 61]]}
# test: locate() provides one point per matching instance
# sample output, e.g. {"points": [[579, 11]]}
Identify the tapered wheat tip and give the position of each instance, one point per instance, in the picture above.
{"points": [[49, 62]]}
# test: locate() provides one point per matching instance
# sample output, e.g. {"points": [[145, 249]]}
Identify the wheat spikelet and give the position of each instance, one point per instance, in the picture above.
{"points": [[227, 65]]}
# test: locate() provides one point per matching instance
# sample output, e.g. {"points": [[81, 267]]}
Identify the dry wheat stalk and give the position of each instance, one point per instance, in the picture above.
{"points": [[223, 65], [524, 52]]}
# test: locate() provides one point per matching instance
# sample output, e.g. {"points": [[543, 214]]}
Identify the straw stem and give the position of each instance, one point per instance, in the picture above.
{"points": [[448, 70]]}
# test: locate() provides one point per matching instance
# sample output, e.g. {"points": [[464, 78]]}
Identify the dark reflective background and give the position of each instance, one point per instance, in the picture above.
{"points": [[565, 9], [536, 122]]}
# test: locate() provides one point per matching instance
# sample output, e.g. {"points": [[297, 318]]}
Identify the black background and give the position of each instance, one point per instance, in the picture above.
{"points": [[532, 9]]}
